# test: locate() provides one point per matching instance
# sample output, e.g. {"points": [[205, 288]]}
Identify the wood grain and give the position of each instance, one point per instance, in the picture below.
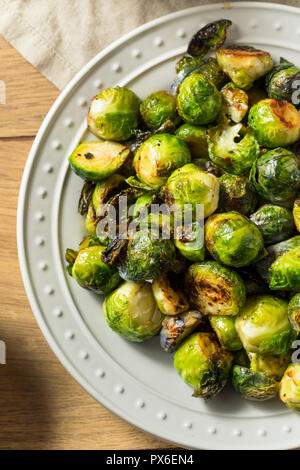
{"points": [[42, 407]]}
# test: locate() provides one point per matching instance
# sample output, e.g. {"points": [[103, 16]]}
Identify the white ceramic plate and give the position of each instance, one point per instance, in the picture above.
{"points": [[135, 381]]}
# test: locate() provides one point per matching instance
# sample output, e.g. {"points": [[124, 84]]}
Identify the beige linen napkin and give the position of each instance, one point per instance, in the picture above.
{"points": [[60, 36]]}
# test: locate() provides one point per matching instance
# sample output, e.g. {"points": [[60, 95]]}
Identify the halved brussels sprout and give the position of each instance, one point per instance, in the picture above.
{"points": [[114, 114], [235, 102], [158, 108], [168, 296], [224, 327], [158, 157], [275, 223], [276, 175], [191, 185], [296, 214], [199, 101], [92, 273], [263, 326], [195, 138], [294, 312], [94, 161], [203, 365], [289, 390], [191, 242], [280, 82], [285, 271], [214, 289], [274, 123], [176, 328], [244, 64], [209, 38], [131, 311], [269, 365], [254, 386], [233, 239], [232, 148], [236, 194]]}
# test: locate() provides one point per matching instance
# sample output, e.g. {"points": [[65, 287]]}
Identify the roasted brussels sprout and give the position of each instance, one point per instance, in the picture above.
{"points": [[280, 82], [214, 289], [285, 271], [236, 194], [191, 185], [168, 296], [114, 114], [296, 214], [276, 175], [235, 102], [244, 64], [131, 311], [233, 239], [158, 108], [91, 273], [158, 157], [274, 123], [271, 366], [199, 101], [209, 38], [275, 223], [232, 148], [224, 327], [294, 312], [254, 386], [191, 242], [203, 365], [94, 161], [263, 326], [289, 390], [106, 189], [195, 138], [176, 328]]}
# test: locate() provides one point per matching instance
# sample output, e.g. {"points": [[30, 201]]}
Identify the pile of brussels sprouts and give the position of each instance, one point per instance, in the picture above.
{"points": [[227, 137]]}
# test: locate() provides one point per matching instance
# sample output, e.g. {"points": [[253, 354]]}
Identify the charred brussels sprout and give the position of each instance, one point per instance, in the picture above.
{"points": [[236, 194], [176, 328], [209, 38], [191, 242], [233, 239], [195, 138], [92, 273], [276, 175], [114, 114], [158, 157], [232, 148], [235, 102], [263, 326], [280, 83], [254, 386], [294, 312], [271, 366], [158, 108], [285, 271], [94, 161], [296, 214], [244, 64], [168, 296], [131, 311], [214, 289], [191, 185], [224, 327], [275, 223], [203, 365], [274, 123], [199, 101], [289, 390]]}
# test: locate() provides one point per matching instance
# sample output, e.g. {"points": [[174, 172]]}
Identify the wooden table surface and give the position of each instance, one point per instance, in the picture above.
{"points": [[42, 407]]}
